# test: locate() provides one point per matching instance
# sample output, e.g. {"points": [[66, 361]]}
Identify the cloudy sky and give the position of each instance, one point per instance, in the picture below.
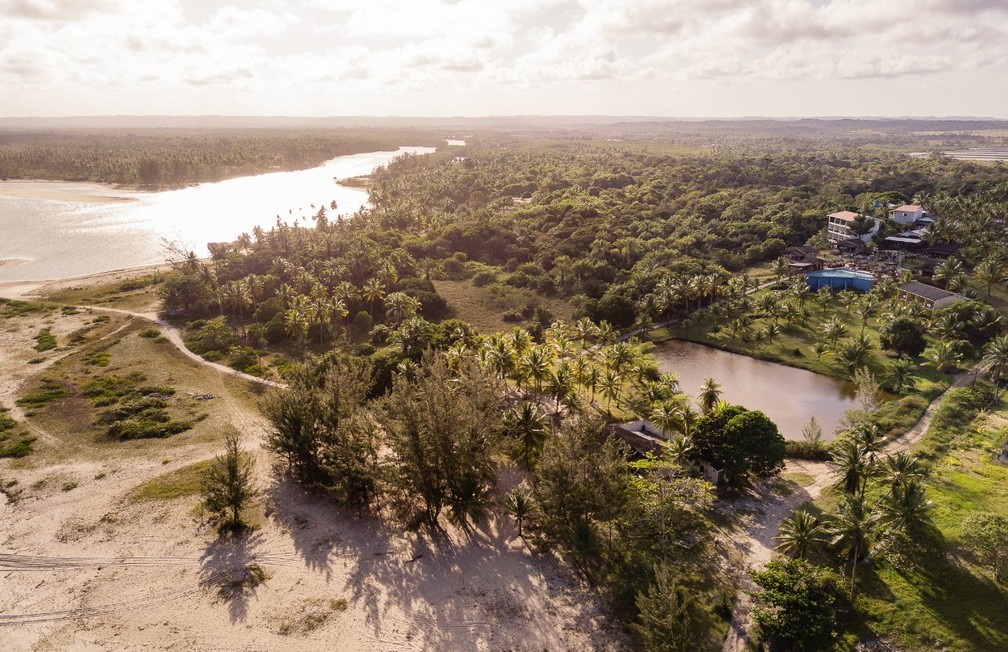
{"points": [[504, 57]]}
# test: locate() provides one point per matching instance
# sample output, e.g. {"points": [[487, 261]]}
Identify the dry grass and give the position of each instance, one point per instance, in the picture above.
{"points": [[481, 308]]}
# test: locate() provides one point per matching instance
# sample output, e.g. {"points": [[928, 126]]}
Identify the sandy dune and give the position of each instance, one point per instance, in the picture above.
{"points": [[89, 569]]}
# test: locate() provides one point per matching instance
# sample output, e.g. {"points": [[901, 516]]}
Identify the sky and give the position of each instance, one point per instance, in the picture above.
{"points": [[675, 58]]}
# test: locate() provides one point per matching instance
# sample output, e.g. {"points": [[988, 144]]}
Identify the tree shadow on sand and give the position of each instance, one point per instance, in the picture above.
{"points": [[229, 568]]}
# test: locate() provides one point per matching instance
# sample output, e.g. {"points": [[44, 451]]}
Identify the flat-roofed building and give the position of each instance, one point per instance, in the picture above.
{"points": [[906, 214], [840, 227]]}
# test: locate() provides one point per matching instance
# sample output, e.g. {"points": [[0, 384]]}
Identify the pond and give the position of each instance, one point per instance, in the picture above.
{"points": [[789, 396], [61, 230]]}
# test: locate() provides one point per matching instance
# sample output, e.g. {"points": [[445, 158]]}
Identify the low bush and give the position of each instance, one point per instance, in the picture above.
{"points": [[806, 450], [45, 340], [49, 392]]}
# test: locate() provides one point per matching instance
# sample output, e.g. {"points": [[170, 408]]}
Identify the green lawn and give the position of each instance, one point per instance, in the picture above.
{"points": [[946, 602]]}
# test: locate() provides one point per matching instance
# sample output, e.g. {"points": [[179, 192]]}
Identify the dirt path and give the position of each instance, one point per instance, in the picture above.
{"points": [[762, 512], [175, 337]]}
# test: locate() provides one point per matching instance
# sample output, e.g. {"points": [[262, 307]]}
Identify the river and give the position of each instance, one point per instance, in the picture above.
{"points": [[62, 230], [787, 395]]}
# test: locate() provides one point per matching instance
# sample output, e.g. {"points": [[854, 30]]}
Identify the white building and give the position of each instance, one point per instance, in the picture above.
{"points": [[840, 227], [906, 214]]}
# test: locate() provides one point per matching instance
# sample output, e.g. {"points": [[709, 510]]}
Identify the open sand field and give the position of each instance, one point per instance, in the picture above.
{"points": [[88, 563]]}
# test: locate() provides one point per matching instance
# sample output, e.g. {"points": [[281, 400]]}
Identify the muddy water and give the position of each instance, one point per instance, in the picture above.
{"points": [[787, 395]]}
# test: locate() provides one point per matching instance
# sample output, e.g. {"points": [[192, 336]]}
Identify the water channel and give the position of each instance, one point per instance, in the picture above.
{"points": [[787, 395], [62, 230]]}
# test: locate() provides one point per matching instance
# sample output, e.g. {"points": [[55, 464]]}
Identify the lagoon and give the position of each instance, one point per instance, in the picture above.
{"points": [[62, 230], [787, 395]]}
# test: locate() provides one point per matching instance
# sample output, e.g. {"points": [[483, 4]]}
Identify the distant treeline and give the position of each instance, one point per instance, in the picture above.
{"points": [[156, 159]]}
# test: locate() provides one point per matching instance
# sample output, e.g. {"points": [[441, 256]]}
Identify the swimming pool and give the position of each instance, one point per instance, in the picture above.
{"points": [[840, 279]]}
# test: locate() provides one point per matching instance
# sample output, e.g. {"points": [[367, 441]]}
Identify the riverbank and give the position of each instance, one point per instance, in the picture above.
{"points": [[22, 290], [77, 192]]}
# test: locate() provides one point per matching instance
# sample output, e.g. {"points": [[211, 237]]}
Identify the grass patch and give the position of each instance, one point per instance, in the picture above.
{"points": [[45, 340], [484, 307], [13, 444], [48, 392], [133, 411], [176, 484], [800, 479], [13, 308]]}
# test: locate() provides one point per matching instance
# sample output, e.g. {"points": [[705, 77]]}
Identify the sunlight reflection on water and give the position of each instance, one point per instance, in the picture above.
{"points": [[63, 239]]}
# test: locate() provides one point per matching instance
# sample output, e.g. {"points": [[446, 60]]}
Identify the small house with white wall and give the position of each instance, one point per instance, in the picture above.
{"points": [[906, 214]]}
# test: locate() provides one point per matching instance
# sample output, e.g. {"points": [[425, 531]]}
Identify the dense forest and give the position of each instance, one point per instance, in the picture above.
{"points": [[157, 159]]}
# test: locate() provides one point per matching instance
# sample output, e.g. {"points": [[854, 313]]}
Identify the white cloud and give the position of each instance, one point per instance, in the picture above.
{"points": [[474, 56]]}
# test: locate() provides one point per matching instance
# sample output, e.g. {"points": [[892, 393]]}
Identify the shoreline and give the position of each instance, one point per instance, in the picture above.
{"points": [[81, 192], [21, 290]]}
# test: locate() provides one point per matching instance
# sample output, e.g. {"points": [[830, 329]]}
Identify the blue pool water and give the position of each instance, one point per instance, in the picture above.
{"points": [[840, 279]]}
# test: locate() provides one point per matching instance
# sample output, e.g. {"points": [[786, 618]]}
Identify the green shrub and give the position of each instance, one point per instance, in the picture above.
{"points": [[805, 450], [149, 333], [45, 340], [49, 392], [15, 446]]}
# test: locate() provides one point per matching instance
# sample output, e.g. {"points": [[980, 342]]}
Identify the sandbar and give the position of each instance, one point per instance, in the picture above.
{"points": [[67, 191]]}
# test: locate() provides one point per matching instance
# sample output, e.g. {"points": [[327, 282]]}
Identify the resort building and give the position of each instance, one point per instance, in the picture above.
{"points": [[804, 258], [929, 297], [906, 214], [840, 227]]}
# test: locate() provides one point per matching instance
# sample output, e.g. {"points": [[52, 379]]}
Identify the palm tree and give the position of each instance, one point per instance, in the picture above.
{"points": [[906, 508], [610, 386], [847, 298], [296, 320], [592, 377], [400, 306], [710, 395], [664, 416], [528, 420], [868, 309], [995, 358], [373, 289], [900, 375], [901, 468], [942, 356], [852, 531], [519, 506], [536, 362], [950, 271], [679, 451], [834, 330], [686, 417], [561, 383], [853, 355], [798, 533], [850, 461], [990, 271]]}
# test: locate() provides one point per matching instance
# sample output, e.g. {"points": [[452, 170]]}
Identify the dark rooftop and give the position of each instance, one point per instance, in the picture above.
{"points": [[929, 292]]}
